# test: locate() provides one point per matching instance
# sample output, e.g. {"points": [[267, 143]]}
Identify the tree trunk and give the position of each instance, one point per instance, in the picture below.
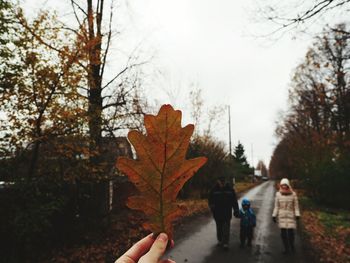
{"points": [[34, 160], [94, 82]]}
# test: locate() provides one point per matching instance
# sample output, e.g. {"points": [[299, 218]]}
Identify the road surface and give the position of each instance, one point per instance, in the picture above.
{"points": [[195, 240]]}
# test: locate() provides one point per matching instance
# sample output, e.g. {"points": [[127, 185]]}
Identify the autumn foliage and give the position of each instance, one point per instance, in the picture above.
{"points": [[327, 232], [314, 133], [161, 168]]}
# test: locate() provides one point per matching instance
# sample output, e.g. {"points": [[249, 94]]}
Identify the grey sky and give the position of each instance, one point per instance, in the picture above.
{"points": [[210, 43]]}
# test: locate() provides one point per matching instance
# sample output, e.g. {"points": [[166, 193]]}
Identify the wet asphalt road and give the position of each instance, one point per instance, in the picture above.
{"points": [[195, 240]]}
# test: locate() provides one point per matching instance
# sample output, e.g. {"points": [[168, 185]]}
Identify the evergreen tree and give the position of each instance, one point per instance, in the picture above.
{"points": [[239, 155], [241, 165]]}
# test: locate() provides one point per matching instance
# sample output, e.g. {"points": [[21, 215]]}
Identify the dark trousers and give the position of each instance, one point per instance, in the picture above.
{"points": [[246, 234], [287, 235], [223, 230]]}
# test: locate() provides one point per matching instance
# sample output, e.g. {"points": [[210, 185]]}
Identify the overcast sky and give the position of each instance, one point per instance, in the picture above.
{"points": [[210, 43]]}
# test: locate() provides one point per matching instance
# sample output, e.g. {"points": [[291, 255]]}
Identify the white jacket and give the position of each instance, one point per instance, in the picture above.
{"points": [[286, 209]]}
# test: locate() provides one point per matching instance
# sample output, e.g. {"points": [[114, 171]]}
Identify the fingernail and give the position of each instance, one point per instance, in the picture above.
{"points": [[163, 237]]}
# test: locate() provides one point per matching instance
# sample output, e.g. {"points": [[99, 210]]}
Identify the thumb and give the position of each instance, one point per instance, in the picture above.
{"points": [[157, 250]]}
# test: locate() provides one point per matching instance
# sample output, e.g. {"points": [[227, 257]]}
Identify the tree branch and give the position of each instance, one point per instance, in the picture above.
{"points": [[108, 43], [79, 7], [122, 72]]}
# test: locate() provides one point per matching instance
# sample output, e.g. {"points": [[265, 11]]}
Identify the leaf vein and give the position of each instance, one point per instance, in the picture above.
{"points": [[144, 179], [149, 157], [179, 177]]}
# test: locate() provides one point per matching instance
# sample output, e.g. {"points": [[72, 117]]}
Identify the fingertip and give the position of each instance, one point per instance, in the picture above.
{"points": [[151, 235], [154, 236], [139, 248], [161, 241], [163, 237], [158, 248]]}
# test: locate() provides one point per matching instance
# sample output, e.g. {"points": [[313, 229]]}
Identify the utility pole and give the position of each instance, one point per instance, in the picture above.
{"points": [[229, 140], [253, 177], [229, 129], [252, 156]]}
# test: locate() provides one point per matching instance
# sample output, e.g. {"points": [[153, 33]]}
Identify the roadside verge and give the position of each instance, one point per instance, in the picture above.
{"points": [[326, 231]]}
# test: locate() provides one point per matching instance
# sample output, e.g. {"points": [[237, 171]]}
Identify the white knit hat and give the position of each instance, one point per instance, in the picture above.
{"points": [[285, 181]]}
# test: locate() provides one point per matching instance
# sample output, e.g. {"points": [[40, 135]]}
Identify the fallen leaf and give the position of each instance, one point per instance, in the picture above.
{"points": [[161, 168]]}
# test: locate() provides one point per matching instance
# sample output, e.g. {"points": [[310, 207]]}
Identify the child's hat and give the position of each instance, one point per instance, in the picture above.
{"points": [[245, 201]]}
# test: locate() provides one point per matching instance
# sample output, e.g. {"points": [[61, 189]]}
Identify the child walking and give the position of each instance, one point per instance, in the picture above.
{"points": [[248, 222]]}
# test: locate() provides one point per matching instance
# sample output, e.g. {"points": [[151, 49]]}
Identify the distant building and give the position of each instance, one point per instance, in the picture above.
{"points": [[112, 148], [257, 174]]}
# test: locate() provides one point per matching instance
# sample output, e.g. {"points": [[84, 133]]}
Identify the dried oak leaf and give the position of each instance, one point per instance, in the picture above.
{"points": [[161, 168]]}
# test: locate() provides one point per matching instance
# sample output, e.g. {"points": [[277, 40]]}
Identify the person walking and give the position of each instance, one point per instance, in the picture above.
{"points": [[286, 212], [248, 222], [222, 199]]}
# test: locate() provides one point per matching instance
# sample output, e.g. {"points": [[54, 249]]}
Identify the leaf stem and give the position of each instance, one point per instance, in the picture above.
{"points": [[162, 175]]}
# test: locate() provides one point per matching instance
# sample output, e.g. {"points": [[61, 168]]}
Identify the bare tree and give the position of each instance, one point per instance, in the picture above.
{"points": [[262, 167], [197, 104], [114, 102], [289, 15]]}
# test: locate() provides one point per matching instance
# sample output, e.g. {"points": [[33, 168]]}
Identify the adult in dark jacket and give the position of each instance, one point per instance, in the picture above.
{"points": [[222, 199]]}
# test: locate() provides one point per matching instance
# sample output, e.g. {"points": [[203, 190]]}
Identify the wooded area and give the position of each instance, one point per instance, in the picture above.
{"points": [[314, 134], [64, 125], [65, 113]]}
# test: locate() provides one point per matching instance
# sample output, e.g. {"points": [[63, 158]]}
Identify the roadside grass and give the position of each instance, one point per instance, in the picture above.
{"points": [[334, 219], [326, 230], [329, 217], [241, 187], [193, 206]]}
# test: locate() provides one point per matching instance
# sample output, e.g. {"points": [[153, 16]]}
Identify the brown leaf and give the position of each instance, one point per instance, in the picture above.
{"points": [[161, 168]]}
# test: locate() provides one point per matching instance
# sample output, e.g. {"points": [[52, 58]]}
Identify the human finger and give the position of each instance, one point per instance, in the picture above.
{"points": [[157, 249], [137, 250]]}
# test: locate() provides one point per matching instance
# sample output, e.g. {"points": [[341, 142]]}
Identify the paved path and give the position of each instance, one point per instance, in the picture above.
{"points": [[195, 240]]}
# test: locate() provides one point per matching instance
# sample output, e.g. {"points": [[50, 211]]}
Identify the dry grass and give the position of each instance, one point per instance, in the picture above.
{"points": [[241, 187], [327, 232], [196, 206]]}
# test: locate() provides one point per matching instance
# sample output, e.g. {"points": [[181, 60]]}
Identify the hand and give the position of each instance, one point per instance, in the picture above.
{"points": [[236, 214], [274, 219], [147, 250]]}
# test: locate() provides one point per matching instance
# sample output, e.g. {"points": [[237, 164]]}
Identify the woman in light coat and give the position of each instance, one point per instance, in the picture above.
{"points": [[286, 213]]}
